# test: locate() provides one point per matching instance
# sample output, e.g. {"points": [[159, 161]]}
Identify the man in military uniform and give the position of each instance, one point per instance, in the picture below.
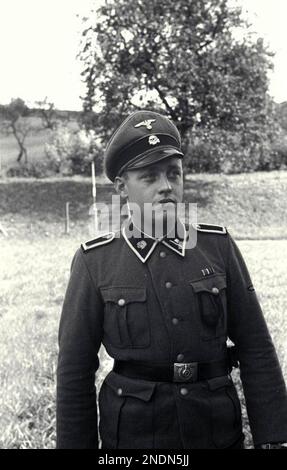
{"points": [[164, 312]]}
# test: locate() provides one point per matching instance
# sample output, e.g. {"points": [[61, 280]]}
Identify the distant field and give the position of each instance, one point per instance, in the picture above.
{"points": [[35, 144], [33, 283]]}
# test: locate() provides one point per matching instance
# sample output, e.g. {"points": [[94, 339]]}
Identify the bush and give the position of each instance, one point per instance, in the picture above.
{"points": [[40, 169], [72, 151]]}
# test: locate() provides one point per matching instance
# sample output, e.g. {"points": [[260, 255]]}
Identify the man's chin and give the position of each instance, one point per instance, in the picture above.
{"points": [[160, 222], [166, 211]]}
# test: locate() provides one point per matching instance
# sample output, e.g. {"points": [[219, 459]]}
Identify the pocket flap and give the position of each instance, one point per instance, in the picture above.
{"points": [[208, 284], [128, 294], [219, 382], [141, 389]]}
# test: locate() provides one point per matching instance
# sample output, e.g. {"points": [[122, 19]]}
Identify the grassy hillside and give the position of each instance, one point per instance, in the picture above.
{"points": [[251, 205]]}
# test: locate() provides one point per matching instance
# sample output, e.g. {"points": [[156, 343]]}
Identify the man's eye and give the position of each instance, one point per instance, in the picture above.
{"points": [[149, 176], [175, 173]]}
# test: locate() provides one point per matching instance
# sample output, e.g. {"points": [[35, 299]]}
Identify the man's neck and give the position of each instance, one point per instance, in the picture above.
{"points": [[156, 229]]}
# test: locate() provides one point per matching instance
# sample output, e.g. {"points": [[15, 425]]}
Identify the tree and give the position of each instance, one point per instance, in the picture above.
{"points": [[16, 123], [48, 113], [182, 58]]}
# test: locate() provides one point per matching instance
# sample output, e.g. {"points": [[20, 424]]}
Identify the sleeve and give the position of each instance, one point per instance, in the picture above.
{"points": [[80, 335], [262, 380]]}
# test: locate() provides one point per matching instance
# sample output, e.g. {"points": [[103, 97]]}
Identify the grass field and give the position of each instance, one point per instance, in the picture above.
{"points": [[35, 262]]}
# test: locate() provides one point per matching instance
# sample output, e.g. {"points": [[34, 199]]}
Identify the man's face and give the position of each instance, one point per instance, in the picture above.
{"points": [[160, 185]]}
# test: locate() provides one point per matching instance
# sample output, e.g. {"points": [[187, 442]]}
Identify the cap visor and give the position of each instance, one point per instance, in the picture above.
{"points": [[154, 156]]}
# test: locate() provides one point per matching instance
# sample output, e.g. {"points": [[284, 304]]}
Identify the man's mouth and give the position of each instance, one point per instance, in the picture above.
{"points": [[166, 201]]}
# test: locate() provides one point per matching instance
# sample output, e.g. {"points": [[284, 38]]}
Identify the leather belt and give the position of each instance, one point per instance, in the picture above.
{"points": [[177, 372]]}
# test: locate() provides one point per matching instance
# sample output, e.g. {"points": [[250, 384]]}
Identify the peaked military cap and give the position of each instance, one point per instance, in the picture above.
{"points": [[143, 138]]}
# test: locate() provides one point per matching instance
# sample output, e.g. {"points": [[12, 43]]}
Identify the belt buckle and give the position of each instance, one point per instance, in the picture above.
{"points": [[185, 372]]}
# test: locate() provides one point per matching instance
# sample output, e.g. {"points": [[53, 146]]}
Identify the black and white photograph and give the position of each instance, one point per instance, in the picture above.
{"points": [[143, 227]]}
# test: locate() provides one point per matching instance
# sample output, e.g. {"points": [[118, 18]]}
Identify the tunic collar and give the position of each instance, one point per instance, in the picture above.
{"points": [[143, 244]]}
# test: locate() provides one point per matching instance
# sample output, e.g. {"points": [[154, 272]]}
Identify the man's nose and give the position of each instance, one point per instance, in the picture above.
{"points": [[164, 185]]}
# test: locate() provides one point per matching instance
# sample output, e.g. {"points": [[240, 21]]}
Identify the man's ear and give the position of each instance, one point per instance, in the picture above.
{"points": [[121, 186]]}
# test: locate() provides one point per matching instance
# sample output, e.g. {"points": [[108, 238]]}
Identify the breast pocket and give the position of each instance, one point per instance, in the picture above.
{"points": [[210, 304], [126, 320]]}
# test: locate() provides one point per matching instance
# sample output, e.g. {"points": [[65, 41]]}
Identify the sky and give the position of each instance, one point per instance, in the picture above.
{"points": [[39, 42]]}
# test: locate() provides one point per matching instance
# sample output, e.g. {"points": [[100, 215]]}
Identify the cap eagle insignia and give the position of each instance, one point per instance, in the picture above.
{"points": [[147, 123]]}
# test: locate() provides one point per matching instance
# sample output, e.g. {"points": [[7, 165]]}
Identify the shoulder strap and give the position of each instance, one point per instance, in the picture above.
{"points": [[98, 241], [211, 228]]}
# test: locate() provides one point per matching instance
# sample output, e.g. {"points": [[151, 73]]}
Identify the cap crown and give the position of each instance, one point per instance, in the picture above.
{"points": [[142, 133]]}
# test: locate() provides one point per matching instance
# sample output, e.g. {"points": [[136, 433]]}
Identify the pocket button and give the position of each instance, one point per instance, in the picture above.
{"points": [[215, 290], [121, 302]]}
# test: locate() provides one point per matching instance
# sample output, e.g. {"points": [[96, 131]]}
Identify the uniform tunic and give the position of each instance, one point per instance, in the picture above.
{"points": [[174, 307]]}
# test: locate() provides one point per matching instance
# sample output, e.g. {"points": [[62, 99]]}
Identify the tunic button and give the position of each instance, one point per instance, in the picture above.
{"points": [[215, 291], [183, 391], [175, 321], [168, 285], [162, 254], [180, 357], [121, 302], [119, 391]]}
